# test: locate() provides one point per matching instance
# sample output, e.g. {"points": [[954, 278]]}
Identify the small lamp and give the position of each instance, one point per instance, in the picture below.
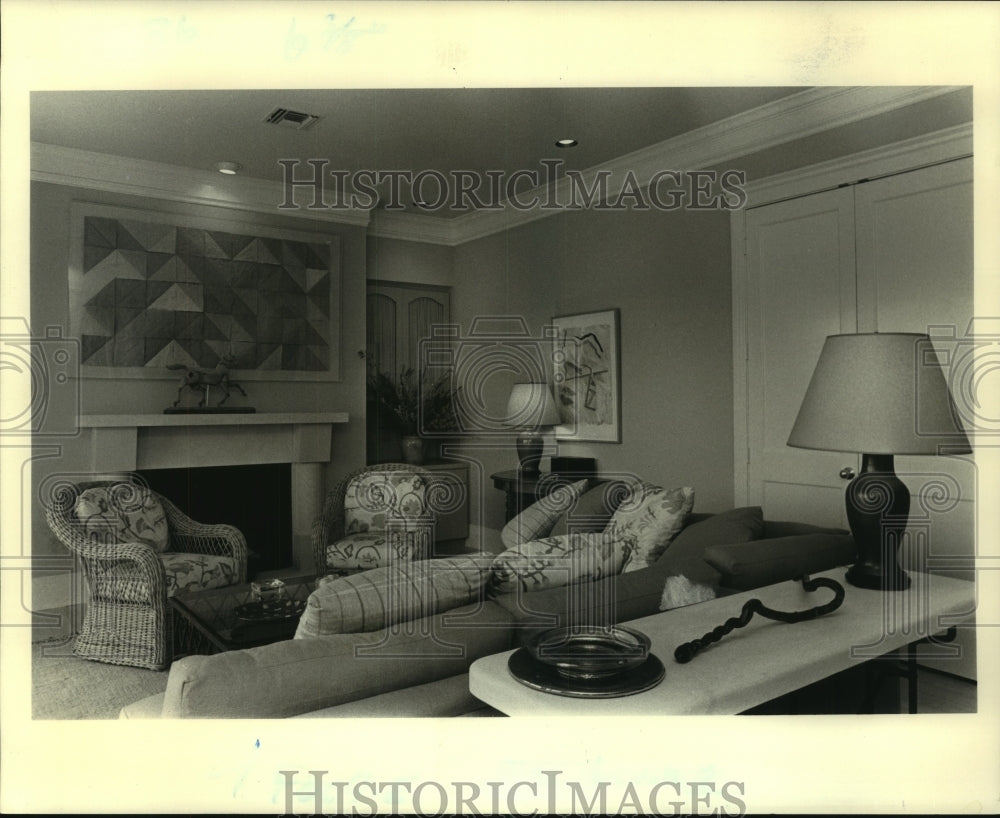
{"points": [[529, 408], [879, 394]]}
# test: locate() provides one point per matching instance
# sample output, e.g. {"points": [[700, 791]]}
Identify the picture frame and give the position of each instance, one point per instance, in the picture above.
{"points": [[586, 368], [151, 291]]}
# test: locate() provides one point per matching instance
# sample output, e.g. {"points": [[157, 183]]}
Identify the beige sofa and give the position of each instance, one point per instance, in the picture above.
{"points": [[420, 668]]}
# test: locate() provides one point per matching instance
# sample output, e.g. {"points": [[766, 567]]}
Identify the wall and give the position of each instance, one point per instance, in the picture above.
{"points": [[50, 238], [670, 276], [408, 261]]}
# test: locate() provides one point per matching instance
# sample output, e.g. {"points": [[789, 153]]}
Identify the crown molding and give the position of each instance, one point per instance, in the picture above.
{"points": [[785, 120], [920, 151], [139, 177], [413, 227]]}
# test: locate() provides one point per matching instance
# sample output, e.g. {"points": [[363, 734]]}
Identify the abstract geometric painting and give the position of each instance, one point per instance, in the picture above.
{"points": [[586, 370], [149, 293]]}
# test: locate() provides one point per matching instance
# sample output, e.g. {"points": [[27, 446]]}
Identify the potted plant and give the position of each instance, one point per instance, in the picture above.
{"points": [[415, 406]]}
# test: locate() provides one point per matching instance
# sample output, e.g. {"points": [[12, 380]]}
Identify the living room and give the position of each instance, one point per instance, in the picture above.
{"points": [[670, 274]]}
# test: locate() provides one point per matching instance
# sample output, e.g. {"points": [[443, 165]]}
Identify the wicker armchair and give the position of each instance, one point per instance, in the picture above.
{"points": [[128, 619], [375, 515]]}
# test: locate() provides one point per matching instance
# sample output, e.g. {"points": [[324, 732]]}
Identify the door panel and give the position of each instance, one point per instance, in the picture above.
{"points": [[800, 263]]}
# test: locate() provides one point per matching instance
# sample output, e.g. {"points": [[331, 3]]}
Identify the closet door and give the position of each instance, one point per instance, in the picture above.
{"points": [[800, 288], [915, 274]]}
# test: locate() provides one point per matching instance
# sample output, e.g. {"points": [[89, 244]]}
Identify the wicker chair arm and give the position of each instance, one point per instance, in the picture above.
{"points": [[110, 580], [328, 527], [191, 537]]}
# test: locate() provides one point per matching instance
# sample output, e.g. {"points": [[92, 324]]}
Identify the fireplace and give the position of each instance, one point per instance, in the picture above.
{"points": [[256, 499], [298, 443]]}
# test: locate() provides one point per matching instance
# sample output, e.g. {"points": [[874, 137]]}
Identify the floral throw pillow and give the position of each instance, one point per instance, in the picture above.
{"points": [[554, 561], [648, 520], [123, 513]]}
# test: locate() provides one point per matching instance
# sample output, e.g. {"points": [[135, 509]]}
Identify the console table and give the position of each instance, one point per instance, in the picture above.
{"points": [[757, 663]]}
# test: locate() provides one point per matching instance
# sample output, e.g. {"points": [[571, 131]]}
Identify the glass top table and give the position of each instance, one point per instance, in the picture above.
{"points": [[222, 619]]}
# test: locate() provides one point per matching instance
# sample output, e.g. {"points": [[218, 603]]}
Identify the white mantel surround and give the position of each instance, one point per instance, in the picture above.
{"points": [[303, 439]]}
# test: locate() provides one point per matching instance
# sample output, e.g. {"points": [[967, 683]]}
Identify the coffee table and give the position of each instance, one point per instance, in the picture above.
{"points": [[207, 621], [757, 663]]}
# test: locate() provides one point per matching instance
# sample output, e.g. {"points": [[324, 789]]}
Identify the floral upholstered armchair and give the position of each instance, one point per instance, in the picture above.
{"points": [[137, 549], [374, 516]]}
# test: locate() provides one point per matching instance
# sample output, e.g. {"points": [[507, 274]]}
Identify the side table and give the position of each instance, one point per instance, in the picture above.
{"points": [[521, 490]]}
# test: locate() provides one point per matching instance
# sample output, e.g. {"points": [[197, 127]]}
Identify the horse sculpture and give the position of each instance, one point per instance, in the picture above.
{"points": [[200, 380]]}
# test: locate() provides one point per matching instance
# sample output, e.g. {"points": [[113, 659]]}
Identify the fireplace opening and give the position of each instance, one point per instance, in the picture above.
{"points": [[256, 499]]}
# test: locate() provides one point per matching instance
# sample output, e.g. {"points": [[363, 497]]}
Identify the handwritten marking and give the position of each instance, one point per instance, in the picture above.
{"points": [[337, 37]]}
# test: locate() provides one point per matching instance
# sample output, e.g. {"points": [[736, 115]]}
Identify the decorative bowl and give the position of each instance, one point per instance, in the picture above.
{"points": [[590, 652], [268, 591]]}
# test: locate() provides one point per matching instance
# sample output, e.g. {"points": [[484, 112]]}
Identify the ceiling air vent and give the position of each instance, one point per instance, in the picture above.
{"points": [[291, 119]]}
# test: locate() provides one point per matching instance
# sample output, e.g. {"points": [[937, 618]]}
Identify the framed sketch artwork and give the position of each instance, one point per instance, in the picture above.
{"points": [[586, 367], [153, 290]]}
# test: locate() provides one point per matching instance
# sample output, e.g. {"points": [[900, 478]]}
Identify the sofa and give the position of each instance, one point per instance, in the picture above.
{"points": [[419, 667]]}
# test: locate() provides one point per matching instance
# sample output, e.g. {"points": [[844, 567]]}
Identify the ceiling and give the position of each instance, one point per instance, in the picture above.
{"points": [[482, 129]]}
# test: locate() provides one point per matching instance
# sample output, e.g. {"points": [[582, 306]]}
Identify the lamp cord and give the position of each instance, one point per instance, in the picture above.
{"points": [[686, 652]]}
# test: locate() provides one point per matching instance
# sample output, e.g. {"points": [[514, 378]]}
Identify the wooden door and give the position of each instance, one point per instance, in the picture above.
{"points": [[800, 289], [398, 316]]}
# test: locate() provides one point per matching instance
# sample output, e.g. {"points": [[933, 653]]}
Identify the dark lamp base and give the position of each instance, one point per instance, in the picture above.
{"points": [[529, 453], [874, 578], [878, 505]]}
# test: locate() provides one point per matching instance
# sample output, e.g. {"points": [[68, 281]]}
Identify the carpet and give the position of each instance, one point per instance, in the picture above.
{"points": [[64, 686]]}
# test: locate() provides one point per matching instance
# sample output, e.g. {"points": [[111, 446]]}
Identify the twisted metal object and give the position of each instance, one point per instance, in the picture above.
{"points": [[686, 652]]}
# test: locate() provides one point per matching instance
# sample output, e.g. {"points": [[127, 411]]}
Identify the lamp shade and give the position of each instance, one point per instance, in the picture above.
{"points": [[531, 406], [878, 393]]}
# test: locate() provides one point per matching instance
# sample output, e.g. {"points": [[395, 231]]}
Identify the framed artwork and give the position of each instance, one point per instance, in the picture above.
{"points": [[150, 291], [586, 367]]}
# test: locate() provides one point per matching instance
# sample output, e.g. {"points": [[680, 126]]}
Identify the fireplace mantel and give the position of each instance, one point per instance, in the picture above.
{"points": [[136, 442], [215, 419], [159, 441]]}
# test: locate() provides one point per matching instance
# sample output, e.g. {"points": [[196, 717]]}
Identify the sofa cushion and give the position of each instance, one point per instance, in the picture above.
{"points": [[197, 572], [686, 554], [182, 573], [593, 510], [400, 592], [298, 676], [610, 600], [765, 562], [370, 549], [123, 513], [648, 519], [555, 561], [536, 520]]}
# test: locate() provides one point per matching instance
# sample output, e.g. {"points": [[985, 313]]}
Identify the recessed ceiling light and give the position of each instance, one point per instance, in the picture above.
{"points": [[566, 143], [229, 168]]}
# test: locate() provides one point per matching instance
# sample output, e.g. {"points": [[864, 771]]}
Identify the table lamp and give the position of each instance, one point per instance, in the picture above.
{"points": [[878, 394], [530, 408]]}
